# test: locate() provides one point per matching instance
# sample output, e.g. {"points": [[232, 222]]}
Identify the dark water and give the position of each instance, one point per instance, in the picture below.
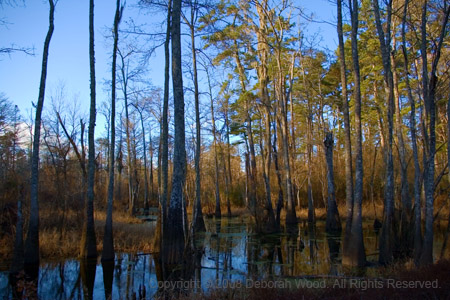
{"points": [[232, 253]]}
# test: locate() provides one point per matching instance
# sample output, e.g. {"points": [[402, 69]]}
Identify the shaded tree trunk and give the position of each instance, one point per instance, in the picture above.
{"points": [[279, 180], [387, 234], [311, 208], [88, 239], [32, 240], [429, 95], [18, 256], [108, 237], [174, 237], [417, 239], [444, 244], [333, 222], [163, 155]]}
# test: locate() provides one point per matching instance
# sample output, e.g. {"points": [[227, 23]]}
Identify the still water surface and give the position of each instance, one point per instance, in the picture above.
{"points": [[232, 254]]}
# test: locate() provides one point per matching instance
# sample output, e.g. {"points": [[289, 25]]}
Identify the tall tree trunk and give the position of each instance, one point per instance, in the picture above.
{"points": [[404, 194], [311, 208], [279, 180], [444, 243], [198, 222], [333, 223], [18, 256], [412, 127], [163, 155], [88, 239], [144, 149], [404, 240], [347, 139], [387, 234], [150, 143], [355, 255], [108, 237], [291, 215], [32, 241], [228, 177], [268, 221], [131, 187], [429, 95], [251, 186], [174, 234]]}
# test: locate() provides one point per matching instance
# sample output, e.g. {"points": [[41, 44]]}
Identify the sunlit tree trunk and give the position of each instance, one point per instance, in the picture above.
{"points": [[130, 160], [268, 220], [174, 233], [88, 239], [198, 222], [218, 212], [347, 139], [228, 177], [251, 186], [355, 255]]}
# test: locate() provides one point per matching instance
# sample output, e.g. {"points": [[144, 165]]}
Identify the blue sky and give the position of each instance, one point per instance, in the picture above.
{"points": [[69, 60]]}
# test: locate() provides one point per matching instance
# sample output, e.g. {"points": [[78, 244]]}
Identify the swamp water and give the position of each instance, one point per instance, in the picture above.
{"points": [[232, 256]]}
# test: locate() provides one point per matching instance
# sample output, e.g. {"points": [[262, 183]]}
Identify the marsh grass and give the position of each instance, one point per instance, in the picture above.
{"points": [[60, 236]]}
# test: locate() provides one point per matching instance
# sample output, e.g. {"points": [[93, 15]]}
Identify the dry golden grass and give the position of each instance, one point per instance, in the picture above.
{"points": [[60, 238]]}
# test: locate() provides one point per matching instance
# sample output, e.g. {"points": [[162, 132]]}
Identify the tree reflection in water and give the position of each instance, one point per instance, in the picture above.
{"points": [[228, 252]]}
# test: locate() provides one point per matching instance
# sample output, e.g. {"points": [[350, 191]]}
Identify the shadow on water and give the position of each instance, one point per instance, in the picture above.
{"points": [[229, 252]]}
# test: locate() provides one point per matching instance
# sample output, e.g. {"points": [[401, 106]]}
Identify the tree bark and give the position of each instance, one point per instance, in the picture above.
{"points": [[347, 139], [32, 241], [333, 222], [417, 243], [268, 220], [175, 238], [108, 237], [88, 239], [163, 155], [355, 255], [387, 234], [429, 95], [228, 177], [198, 222]]}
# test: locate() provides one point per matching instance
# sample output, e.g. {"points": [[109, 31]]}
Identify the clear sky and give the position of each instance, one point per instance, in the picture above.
{"points": [[27, 26]]}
